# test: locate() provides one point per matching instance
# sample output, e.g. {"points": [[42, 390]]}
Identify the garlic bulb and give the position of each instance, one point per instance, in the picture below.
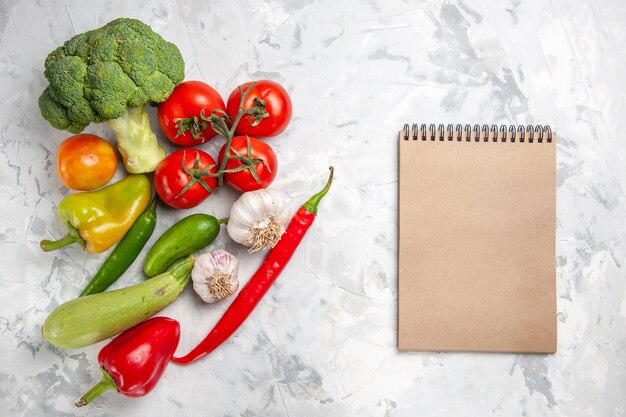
{"points": [[214, 275], [258, 219]]}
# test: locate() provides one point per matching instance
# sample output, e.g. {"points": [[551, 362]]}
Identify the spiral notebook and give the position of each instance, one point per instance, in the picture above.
{"points": [[477, 209]]}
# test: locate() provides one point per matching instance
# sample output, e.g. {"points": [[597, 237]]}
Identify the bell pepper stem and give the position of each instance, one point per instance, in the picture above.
{"points": [[314, 201], [105, 384], [71, 237]]}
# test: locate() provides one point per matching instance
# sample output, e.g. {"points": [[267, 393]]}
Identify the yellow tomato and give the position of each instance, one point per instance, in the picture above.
{"points": [[85, 162]]}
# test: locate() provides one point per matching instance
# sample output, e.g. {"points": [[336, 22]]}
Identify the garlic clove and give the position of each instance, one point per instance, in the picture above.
{"points": [[215, 275]]}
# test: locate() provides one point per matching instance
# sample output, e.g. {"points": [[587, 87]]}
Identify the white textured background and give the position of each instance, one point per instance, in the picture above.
{"points": [[322, 343]]}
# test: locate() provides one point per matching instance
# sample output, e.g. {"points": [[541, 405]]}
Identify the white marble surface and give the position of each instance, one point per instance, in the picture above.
{"points": [[322, 343]]}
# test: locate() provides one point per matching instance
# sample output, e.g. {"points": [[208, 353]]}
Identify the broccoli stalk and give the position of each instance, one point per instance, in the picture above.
{"points": [[136, 141], [109, 75]]}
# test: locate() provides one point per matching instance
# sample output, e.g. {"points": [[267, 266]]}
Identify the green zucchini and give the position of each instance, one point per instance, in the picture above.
{"points": [[186, 237], [93, 318]]}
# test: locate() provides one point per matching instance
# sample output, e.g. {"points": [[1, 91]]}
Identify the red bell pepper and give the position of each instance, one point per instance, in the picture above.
{"points": [[261, 281], [134, 361]]}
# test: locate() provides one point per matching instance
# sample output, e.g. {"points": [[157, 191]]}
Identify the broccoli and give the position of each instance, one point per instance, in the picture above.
{"points": [[108, 75]]}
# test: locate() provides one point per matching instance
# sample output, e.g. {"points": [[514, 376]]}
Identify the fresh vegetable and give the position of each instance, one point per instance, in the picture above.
{"points": [[136, 141], [267, 95], [98, 219], [93, 318], [134, 361], [215, 275], [258, 219], [253, 167], [125, 252], [179, 115], [109, 75], [185, 178], [226, 126], [187, 236], [85, 162], [257, 286]]}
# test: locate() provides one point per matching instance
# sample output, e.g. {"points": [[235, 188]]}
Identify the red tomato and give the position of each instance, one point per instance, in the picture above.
{"points": [[277, 105], [171, 179], [265, 165], [85, 162], [179, 115]]}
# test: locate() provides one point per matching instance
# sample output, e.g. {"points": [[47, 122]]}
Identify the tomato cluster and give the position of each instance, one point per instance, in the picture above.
{"points": [[194, 114]]}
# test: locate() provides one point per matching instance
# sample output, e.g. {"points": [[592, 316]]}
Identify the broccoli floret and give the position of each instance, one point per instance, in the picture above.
{"points": [[108, 75]]}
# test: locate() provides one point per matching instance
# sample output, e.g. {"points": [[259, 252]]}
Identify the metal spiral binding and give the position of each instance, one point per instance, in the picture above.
{"points": [[478, 133]]}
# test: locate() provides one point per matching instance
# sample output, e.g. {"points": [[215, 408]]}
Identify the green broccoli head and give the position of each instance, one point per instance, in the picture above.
{"points": [[97, 75]]}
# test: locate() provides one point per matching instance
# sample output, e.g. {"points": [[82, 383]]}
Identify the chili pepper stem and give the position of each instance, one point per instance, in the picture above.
{"points": [[105, 384], [152, 204], [71, 237], [314, 201], [224, 220]]}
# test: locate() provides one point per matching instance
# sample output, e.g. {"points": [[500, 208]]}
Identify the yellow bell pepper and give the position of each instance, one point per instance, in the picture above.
{"points": [[98, 219]]}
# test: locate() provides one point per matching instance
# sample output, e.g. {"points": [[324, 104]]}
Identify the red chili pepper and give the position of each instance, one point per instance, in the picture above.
{"points": [[257, 286], [134, 361]]}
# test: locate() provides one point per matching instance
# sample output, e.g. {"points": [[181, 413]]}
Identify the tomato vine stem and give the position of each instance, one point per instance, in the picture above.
{"points": [[218, 120]]}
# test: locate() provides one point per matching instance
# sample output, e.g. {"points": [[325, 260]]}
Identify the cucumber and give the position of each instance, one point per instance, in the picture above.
{"points": [[186, 237], [93, 318]]}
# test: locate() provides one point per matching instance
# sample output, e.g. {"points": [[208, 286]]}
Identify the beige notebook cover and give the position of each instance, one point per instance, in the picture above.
{"points": [[477, 213]]}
